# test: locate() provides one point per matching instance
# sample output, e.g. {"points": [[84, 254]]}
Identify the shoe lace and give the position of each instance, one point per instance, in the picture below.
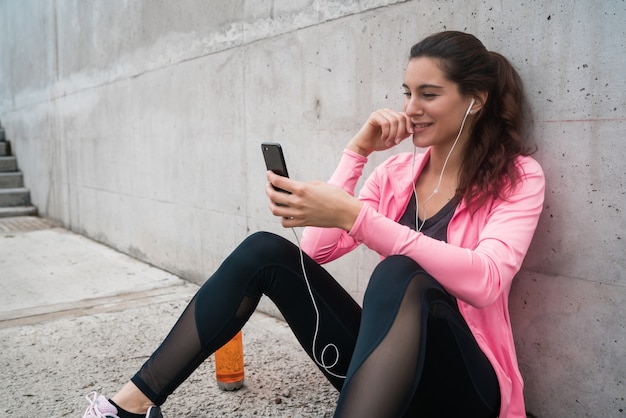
{"points": [[92, 410]]}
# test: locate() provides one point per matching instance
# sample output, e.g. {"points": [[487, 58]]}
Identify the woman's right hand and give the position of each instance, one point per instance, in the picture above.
{"points": [[385, 128]]}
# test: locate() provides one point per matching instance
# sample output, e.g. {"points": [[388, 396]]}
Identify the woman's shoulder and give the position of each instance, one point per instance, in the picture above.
{"points": [[528, 166], [398, 165], [530, 180], [403, 159]]}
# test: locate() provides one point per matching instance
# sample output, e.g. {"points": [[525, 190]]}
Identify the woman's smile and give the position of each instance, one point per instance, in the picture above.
{"points": [[433, 103]]}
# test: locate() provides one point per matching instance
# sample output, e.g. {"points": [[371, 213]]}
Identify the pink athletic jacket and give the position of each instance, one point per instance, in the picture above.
{"points": [[477, 265]]}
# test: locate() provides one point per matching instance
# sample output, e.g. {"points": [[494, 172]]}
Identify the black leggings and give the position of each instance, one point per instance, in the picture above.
{"points": [[407, 352]]}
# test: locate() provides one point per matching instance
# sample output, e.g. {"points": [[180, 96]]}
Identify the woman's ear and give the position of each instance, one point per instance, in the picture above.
{"points": [[479, 101]]}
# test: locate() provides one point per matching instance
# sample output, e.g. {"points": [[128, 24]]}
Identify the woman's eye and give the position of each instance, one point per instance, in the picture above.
{"points": [[407, 93]]}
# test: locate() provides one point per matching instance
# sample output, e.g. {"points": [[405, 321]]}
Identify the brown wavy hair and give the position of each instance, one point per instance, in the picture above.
{"points": [[488, 169]]}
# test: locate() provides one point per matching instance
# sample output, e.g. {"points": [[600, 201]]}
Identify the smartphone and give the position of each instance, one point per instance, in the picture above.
{"points": [[275, 160]]}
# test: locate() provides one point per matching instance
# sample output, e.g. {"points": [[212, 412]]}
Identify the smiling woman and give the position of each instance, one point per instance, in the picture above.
{"points": [[434, 106], [452, 225]]}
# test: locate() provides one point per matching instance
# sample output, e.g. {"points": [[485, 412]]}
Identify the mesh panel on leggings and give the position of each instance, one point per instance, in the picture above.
{"points": [[417, 356], [181, 350], [379, 386]]}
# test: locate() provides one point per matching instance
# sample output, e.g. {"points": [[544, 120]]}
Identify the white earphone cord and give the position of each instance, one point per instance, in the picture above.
{"points": [[419, 227], [319, 362], [332, 346]]}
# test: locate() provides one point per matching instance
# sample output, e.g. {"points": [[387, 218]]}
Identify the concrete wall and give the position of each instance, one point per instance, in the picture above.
{"points": [[138, 124]]}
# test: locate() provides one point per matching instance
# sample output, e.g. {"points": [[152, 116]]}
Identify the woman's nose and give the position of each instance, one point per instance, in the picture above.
{"points": [[412, 107]]}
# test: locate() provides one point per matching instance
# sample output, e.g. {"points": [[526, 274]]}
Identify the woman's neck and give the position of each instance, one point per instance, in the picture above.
{"points": [[441, 159]]}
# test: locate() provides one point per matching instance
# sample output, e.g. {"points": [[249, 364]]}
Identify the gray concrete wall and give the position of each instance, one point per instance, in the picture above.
{"points": [[138, 124]]}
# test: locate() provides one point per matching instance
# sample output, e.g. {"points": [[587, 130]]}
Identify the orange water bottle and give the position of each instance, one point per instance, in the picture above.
{"points": [[229, 364]]}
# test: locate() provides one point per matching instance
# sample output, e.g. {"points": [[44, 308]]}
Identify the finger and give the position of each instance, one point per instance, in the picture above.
{"points": [[388, 126], [397, 126], [408, 124], [383, 124], [403, 126], [278, 199], [272, 177], [280, 211], [285, 184], [288, 222]]}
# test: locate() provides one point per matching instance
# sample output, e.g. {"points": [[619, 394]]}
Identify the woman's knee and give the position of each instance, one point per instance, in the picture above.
{"points": [[394, 269], [391, 278], [264, 245], [254, 252], [264, 239], [238, 275]]}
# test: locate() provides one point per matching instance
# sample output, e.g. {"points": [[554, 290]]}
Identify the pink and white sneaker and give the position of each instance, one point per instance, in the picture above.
{"points": [[100, 407]]}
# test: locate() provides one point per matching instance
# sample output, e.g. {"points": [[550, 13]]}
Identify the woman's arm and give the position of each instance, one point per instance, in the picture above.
{"points": [[330, 214], [481, 260], [327, 244]]}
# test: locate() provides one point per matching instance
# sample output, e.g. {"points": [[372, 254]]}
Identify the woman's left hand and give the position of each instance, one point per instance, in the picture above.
{"points": [[311, 204]]}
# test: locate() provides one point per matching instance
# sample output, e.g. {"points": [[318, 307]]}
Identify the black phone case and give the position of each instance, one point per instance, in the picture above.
{"points": [[275, 160]]}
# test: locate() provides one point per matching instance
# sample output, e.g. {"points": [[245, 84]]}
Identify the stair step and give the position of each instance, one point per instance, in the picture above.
{"points": [[18, 211], [11, 180], [8, 164], [18, 196], [5, 149]]}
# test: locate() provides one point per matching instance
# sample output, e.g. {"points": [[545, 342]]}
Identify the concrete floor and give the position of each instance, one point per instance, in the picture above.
{"points": [[77, 316]]}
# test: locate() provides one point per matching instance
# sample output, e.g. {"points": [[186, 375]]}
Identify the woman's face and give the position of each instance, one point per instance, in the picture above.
{"points": [[434, 105]]}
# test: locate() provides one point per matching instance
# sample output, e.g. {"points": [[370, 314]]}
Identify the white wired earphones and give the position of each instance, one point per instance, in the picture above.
{"points": [[328, 346], [419, 227], [320, 362]]}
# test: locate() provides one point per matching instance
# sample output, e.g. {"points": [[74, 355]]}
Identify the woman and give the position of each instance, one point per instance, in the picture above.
{"points": [[452, 226]]}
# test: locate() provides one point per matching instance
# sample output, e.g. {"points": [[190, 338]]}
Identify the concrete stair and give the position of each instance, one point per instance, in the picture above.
{"points": [[11, 180], [14, 197]]}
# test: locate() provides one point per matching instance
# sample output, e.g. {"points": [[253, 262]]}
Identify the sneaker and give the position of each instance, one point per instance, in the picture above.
{"points": [[100, 407]]}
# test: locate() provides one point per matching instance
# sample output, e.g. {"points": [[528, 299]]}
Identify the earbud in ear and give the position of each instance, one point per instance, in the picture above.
{"points": [[469, 109]]}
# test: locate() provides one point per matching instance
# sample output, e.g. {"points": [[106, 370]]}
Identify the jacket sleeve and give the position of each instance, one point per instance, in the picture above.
{"points": [[327, 244], [475, 266]]}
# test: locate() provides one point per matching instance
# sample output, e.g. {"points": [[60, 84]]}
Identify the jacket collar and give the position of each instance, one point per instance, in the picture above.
{"points": [[400, 172], [407, 169]]}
